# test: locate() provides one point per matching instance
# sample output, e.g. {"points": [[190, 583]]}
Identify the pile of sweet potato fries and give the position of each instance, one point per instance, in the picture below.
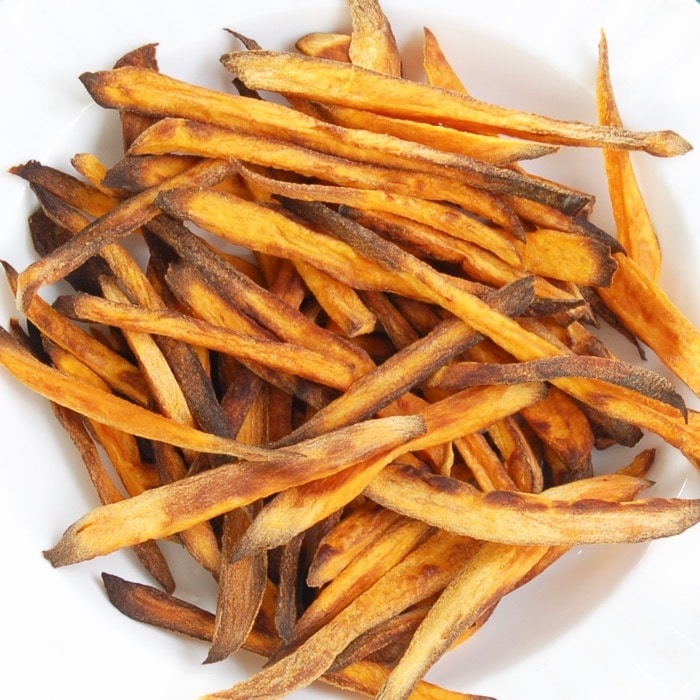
{"points": [[354, 368]]}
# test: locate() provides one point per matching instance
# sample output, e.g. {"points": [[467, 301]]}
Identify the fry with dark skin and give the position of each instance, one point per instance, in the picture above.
{"points": [[327, 81], [151, 606]]}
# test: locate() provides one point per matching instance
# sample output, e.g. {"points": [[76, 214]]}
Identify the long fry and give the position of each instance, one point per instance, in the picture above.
{"points": [[326, 81]]}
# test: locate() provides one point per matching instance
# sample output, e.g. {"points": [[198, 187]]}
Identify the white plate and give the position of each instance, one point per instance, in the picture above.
{"points": [[606, 622]]}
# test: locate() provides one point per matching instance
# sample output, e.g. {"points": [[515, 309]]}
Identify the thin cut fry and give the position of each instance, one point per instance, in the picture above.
{"points": [[326, 81], [633, 223]]}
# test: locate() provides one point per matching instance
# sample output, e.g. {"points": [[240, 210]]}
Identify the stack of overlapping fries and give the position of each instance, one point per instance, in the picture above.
{"points": [[354, 368]]}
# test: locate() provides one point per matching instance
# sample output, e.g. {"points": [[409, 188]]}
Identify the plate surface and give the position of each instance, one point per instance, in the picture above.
{"points": [[606, 622]]}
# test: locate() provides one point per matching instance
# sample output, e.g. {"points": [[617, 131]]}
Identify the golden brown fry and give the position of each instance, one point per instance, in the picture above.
{"points": [[241, 588], [568, 257], [437, 68], [346, 541], [647, 311], [118, 372], [135, 173], [492, 572], [557, 516], [154, 93], [107, 408], [121, 448], [340, 301], [148, 553], [521, 462], [151, 606], [190, 137], [485, 465], [327, 81], [270, 311], [296, 509], [132, 122], [109, 228], [377, 559], [424, 571], [450, 220], [372, 42], [175, 507], [165, 390], [203, 302], [483, 147], [633, 223], [331, 45], [283, 357]]}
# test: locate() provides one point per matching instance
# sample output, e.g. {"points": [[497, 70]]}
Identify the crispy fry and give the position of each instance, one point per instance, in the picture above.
{"points": [[426, 570], [241, 589], [349, 359], [633, 223], [340, 301], [330, 45], [569, 520], [147, 604], [114, 369], [296, 509], [347, 540], [437, 68], [197, 139], [148, 553], [154, 93], [109, 228], [283, 357], [372, 41], [649, 313], [483, 147], [325, 81], [174, 507], [107, 408]]}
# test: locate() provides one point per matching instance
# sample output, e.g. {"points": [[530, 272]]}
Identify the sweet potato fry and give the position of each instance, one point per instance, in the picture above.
{"points": [[332, 45], [570, 518], [350, 358], [121, 448], [635, 229], [438, 70], [345, 542], [197, 139], [340, 301], [109, 228], [492, 572], [647, 311], [372, 42], [174, 507], [107, 408], [148, 553], [377, 559], [118, 372], [154, 93], [241, 589], [135, 173], [483, 147], [426, 570], [272, 313], [296, 509], [283, 357], [327, 81], [450, 220], [151, 606]]}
